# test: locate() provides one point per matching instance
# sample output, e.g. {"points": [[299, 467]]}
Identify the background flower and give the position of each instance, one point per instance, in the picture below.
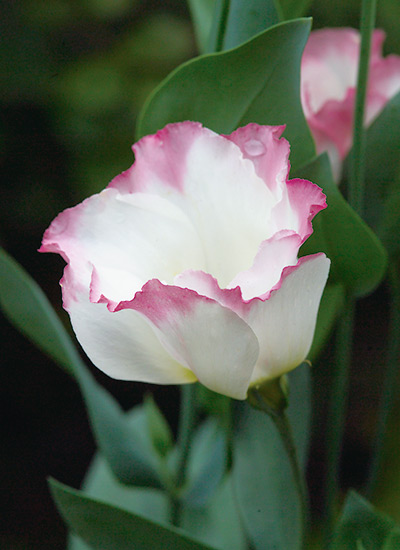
{"points": [[185, 268], [328, 84]]}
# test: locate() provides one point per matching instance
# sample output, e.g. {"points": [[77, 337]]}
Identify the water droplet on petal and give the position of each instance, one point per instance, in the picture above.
{"points": [[254, 148]]}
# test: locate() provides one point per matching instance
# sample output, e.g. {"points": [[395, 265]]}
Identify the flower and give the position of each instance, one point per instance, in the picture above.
{"points": [[329, 70], [185, 267]]}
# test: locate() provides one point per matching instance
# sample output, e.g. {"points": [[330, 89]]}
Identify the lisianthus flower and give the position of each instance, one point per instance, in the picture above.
{"points": [[329, 71], [185, 267]]}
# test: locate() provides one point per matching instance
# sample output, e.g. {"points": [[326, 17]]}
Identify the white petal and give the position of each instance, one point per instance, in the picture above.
{"points": [[121, 344], [285, 323]]}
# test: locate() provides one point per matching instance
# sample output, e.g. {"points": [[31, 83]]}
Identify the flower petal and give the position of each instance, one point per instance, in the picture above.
{"points": [[211, 340], [284, 324], [215, 186], [268, 152], [129, 239], [274, 255], [123, 344]]}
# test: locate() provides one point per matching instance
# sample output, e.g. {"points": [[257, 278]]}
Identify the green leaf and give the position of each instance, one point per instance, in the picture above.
{"points": [[217, 525], [29, 310], [256, 82], [357, 255], [246, 18], [382, 162], [206, 463], [262, 475], [361, 523], [329, 309], [202, 16], [290, 9], [299, 409], [104, 526], [157, 426]]}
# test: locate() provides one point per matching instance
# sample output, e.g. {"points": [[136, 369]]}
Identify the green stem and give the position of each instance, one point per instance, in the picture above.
{"points": [[356, 183], [187, 419], [284, 428], [389, 390], [337, 410]]}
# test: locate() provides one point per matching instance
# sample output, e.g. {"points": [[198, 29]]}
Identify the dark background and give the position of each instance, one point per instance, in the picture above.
{"points": [[73, 76]]}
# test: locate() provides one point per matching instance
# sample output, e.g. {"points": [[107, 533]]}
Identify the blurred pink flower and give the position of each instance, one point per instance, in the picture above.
{"points": [[328, 83], [185, 267]]}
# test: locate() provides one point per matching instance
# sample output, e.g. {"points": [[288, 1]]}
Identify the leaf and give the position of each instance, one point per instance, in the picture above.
{"points": [[246, 18], [361, 523], [329, 309], [382, 159], [290, 9], [157, 426], [29, 310], [104, 526], [202, 16], [299, 409], [217, 525], [262, 475], [357, 255], [206, 463], [257, 82]]}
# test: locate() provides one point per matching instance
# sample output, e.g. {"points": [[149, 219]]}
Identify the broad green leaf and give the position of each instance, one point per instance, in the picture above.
{"points": [[382, 158], [246, 18], [29, 310], [290, 9], [202, 15], [262, 475], [217, 524], [357, 255], [329, 309], [157, 427], [104, 526], [257, 82], [206, 463], [361, 523]]}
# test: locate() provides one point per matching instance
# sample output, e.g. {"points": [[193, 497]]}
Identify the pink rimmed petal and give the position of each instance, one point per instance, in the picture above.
{"points": [[128, 239], [284, 323], [384, 83], [124, 344], [160, 160], [273, 256], [269, 153], [328, 67], [216, 187], [334, 121], [211, 340]]}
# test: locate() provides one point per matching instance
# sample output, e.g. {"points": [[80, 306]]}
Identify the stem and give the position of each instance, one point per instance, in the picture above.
{"points": [[284, 428], [187, 418], [356, 183], [389, 390], [337, 409]]}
